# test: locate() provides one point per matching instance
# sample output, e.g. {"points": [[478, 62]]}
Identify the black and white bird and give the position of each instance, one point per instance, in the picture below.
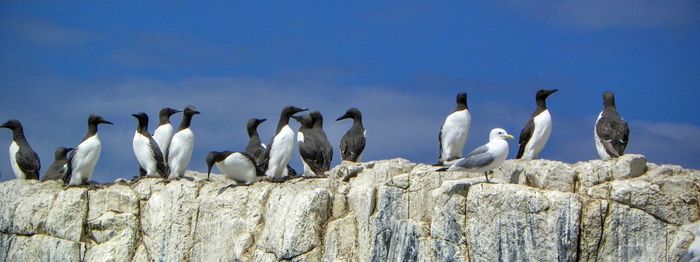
{"points": [[25, 162], [486, 157], [86, 154], [279, 151], [353, 142], [60, 167], [146, 150], [255, 147], [180, 149], [536, 132], [237, 166], [611, 131], [314, 148], [454, 132], [164, 132]]}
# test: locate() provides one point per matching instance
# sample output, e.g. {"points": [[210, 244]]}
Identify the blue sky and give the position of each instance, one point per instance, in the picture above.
{"points": [[400, 62]]}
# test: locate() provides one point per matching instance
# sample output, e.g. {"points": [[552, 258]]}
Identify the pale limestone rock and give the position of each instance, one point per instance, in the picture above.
{"points": [[167, 221], [513, 222], [390, 210], [295, 215]]}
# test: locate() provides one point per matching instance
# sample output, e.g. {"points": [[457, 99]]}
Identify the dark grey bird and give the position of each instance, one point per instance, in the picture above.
{"points": [[60, 167], [536, 132], [279, 150], [255, 147], [353, 142], [25, 162], [85, 155], [237, 166], [611, 131], [314, 148], [146, 150]]}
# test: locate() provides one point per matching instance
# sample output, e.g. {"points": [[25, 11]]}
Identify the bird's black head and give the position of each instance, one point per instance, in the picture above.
{"points": [[291, 110], [61, 153], [190, 111], [143, 120], [608, 99], [164, 115], [254, 122], [304, 120], [544, 93], [462, 101], [96, 119], [13, 125], [212, 158], [353, 113], [316, 118]]}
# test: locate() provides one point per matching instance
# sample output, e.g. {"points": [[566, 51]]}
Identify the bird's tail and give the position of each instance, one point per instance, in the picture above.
{"points": [[442, 169]]}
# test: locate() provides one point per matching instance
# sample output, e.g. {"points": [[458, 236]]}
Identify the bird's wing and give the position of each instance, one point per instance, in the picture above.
{"points": [[158, 155], [525, 136], [479, 157], [613, 134], [69, 172], [311, 154], [440, 143], [351, 147], [28, 161]]}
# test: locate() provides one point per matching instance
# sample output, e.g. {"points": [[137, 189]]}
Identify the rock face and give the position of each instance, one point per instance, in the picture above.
{"points": [[390, 210]]}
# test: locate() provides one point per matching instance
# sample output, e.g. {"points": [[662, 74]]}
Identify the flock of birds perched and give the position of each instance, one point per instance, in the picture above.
{"points": [[167, 152]]}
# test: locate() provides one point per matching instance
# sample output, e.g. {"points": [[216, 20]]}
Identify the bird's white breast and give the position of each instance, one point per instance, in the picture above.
{"points": [[300, 137], [598, 144], [162, 135], [180, 152], [14, 148], [85, 159], [239, 168], [540, 135], [281, 152], [454, 134], [142, 150]]}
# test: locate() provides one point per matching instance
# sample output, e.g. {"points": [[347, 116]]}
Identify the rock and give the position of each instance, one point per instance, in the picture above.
{"points": [[389, 210]]}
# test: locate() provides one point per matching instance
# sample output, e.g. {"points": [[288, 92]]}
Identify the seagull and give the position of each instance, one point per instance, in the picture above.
{"points": [[486, 157]]}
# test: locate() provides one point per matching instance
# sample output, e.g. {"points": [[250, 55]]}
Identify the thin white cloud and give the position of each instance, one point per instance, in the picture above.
{"points": [[49, 34], [600, 14]]}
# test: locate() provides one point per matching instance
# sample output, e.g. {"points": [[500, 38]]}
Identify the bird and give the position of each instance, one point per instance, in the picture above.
{"points": [[611, 132], [316, 153], [237, 166], [279, 151], [326, 147], [536, 132], [60, 167], [147, 152], [164, 132], [25, 162], [454, 132], [86, 154], [353, 142], [693, 253], [486, 157], [180, 149], [255, 147]]}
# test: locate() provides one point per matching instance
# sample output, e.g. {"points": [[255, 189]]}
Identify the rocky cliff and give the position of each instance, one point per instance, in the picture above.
{"points": [[390, 210]]}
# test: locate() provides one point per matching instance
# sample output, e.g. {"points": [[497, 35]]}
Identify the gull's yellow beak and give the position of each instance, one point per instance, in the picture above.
{"points": [[509, 136]]}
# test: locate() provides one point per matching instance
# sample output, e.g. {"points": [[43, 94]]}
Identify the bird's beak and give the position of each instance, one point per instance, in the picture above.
{"points": [[106, 122], [135, 115], [196, 113], [262, 120], [509, 136], [343, 117], [5, 125]]}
